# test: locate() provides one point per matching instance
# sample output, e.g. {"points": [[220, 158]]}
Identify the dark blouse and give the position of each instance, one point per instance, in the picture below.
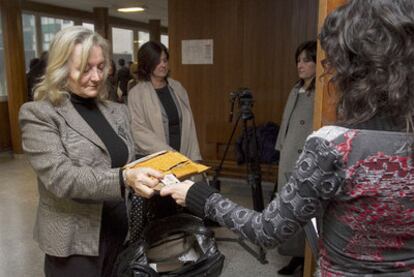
{"points": [[90, 112], [174, 131], [363, 180]]}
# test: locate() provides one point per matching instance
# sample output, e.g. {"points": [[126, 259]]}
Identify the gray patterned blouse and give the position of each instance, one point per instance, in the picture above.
{"points": [[362, 181]]}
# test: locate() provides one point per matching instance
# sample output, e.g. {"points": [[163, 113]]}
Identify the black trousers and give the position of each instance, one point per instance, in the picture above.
{"points": [[113, 232]]}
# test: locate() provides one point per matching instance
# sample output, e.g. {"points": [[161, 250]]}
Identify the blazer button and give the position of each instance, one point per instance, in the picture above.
{"points": [[302, 122], [299, 151]]}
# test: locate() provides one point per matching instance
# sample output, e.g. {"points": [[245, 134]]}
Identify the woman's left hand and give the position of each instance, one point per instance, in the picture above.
{"points": [[142, 180], [177, 191]]}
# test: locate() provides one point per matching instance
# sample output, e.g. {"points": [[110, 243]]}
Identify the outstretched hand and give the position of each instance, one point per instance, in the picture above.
{"points": [[142, 180], [177, 191]]}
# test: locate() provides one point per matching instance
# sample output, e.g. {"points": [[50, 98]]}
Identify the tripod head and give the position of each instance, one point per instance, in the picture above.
{"points": [[244, 98]]}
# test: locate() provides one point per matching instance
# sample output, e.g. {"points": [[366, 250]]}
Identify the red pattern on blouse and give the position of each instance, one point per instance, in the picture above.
{"points": [[378, 187]]}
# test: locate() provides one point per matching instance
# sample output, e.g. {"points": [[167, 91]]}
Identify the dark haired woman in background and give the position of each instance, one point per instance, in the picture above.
{"points": [[35, 74], [295, 127], [160, 110], [111, 83], [360, 172], [161, 116]]}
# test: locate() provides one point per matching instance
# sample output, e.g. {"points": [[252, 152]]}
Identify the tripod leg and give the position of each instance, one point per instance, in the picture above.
{"points": [[254, 176], [215, 183], [260, 255], [254, 180]]}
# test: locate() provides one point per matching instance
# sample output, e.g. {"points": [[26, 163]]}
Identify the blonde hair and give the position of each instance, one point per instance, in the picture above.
{"points": [[54, 85]]}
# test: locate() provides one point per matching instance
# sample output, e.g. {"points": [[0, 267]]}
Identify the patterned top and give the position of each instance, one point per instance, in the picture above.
{"points": [[362, 180]]}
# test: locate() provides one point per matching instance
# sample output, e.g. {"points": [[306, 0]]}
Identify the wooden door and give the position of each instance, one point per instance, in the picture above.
{"points": [[325, 104]]}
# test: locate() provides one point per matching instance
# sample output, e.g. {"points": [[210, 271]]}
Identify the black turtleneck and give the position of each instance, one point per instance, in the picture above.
{"points": [[174, 132], [90, 112], [114, 215]]}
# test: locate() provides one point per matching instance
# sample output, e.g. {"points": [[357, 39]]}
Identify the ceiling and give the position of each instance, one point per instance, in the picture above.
{"points": [[155, 9]]}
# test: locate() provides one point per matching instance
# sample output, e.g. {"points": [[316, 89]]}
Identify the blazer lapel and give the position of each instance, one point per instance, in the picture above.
{"points": [[78, 124], [178, 94], [115, 120], [110, 116], [290, 107], [155, 111]]}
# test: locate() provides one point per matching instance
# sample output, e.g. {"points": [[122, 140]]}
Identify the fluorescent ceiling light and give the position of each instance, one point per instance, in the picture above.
{"points": [[131, 9]]}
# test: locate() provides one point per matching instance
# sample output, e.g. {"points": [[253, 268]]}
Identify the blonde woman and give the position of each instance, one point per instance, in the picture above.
{"points": [[77, 143]]}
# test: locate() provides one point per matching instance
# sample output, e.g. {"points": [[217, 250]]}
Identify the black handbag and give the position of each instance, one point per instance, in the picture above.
{"points": [[179, 245]]}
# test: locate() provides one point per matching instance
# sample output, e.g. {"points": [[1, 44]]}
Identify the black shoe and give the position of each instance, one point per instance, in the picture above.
{"points": [[290, 268]]}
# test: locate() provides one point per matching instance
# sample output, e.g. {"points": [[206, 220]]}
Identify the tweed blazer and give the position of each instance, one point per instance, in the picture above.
{"points": [[74, 173], [146, 120]]}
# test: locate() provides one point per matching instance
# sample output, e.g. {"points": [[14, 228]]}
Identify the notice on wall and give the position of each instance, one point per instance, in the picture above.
{"points": [[197, 51]]}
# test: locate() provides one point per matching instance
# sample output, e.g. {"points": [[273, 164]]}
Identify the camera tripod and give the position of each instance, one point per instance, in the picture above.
{"points": [[252, 169]]}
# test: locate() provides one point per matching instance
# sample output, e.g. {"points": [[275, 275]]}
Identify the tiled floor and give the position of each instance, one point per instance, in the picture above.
{"points": [[21, 257]]}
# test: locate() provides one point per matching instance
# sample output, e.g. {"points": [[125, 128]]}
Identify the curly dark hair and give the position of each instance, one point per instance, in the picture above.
{"points": [[369, 47], [149, 55]]}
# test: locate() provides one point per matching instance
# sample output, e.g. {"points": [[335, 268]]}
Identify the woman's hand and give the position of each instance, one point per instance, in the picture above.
{"points": [[178, 191], [142, 180]]}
